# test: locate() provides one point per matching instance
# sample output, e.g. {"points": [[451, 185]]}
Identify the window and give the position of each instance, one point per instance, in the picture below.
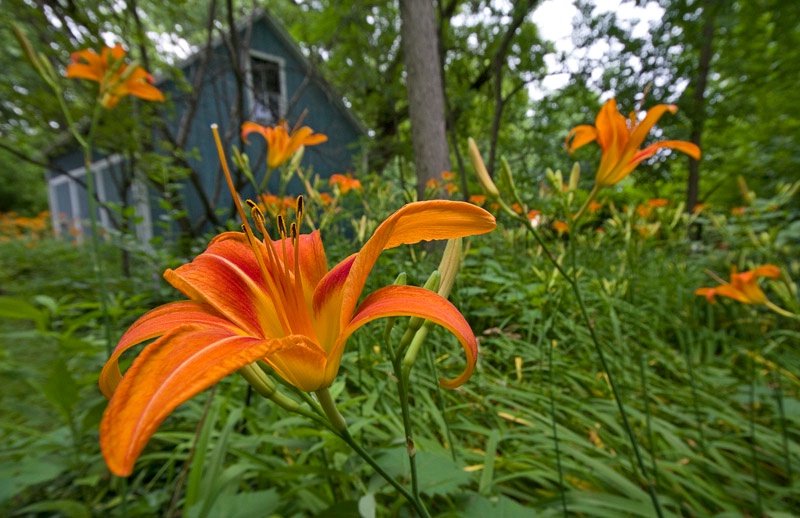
{"points": [[69, 203], [266, 75]]}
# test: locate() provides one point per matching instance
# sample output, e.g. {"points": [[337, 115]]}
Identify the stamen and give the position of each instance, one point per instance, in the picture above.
{"points": [[300, 209], [258, 218], [293, 231], [282, 227]]}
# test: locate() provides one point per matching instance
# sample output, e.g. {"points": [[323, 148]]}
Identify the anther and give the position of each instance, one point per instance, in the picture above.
{"points": [[293, 230], [300, 208], [281, 226]]}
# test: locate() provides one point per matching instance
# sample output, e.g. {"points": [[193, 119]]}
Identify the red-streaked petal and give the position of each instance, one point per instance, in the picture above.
{"points": [[393, 301], [313, 263], [579, 136], [167, 373], [414, 222], [300, 361], [327, 303], [227, 277], [155, 323]]}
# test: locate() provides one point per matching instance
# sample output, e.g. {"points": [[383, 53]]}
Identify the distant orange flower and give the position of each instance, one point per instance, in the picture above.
{"points": [[743, 286], [451, 188], [594, 206], [533, 213], [517, 208], [700, 207], [346, 183], [621, 138], [448, 176], [325, 198], [560, 227], [432, 183], [116, 79], [739, 211], [282, 144], [643, 210], [477, 199], [657, 202]]}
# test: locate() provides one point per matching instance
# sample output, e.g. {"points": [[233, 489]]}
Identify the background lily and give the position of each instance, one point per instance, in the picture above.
{"points": [[116, 79], [621, 139], [281, 143], [743, 286], [276, 301]]}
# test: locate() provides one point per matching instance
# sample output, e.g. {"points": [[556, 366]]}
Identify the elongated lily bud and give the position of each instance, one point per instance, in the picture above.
{"points": [[485, 180], [574, 177], [451, 262]]}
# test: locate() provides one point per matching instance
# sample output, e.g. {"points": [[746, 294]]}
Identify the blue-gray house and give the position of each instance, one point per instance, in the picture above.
{"points": [[257, 74]]}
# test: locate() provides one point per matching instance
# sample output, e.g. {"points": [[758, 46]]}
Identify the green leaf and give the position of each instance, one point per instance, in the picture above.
{"points": [[16, 476], [68, 508]]}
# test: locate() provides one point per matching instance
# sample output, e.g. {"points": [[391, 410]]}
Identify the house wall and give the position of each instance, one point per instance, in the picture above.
{"points": [[305, 96]]}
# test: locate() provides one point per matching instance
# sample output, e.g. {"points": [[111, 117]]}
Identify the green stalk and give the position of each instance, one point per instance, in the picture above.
{"points": [[554, 426], [753, 451], [601, 355]]}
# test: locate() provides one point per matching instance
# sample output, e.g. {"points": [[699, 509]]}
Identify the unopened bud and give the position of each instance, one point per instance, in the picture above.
{"points": [[574, 177], [485, 180]]}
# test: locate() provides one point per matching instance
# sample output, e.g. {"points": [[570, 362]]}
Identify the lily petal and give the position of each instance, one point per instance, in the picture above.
{"points": [[580, 136], [158, 322], [415, 222], [227, 277], [393, 301], [300, 361], [167, 373]]}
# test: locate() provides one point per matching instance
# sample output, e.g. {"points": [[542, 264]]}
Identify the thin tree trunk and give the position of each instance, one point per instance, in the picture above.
{"points": [[425, 91], [699, 110]]}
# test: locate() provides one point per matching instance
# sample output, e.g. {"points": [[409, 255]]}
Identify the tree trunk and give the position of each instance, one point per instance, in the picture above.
{"points": [[425, 91], [698, 114]]}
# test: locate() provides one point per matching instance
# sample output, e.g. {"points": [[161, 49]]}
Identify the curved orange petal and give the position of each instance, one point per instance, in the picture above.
{"points": [[580, 136], [767, 270], [167, 373], [82, 71], [300, 361], [642, 129], [228, 278], [708, 293], [414, 222], [730, 291], [138, 84], [394, 301], [155, 323], [252, 127], [643, 154]]}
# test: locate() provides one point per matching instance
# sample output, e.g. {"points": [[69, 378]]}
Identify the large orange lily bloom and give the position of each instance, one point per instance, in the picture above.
{"points": [[620, 140], [743, 286], [116, 79], [281, 143], [276, 301]]}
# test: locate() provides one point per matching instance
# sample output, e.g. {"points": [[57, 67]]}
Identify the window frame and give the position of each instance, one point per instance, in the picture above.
{"points": [[251, 98]]}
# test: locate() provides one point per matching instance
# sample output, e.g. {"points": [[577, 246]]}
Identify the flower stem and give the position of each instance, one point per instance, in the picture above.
{"points": [[603, 362]]}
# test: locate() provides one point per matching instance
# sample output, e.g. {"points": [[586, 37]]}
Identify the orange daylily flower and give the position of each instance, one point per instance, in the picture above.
{"points": [[477, 199], [620, 140], [116, 79], [560, 227], [275, 301], [594, 206], [657, 202], [282, 144], [739, 211], [743, 286], [346, 183]]}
